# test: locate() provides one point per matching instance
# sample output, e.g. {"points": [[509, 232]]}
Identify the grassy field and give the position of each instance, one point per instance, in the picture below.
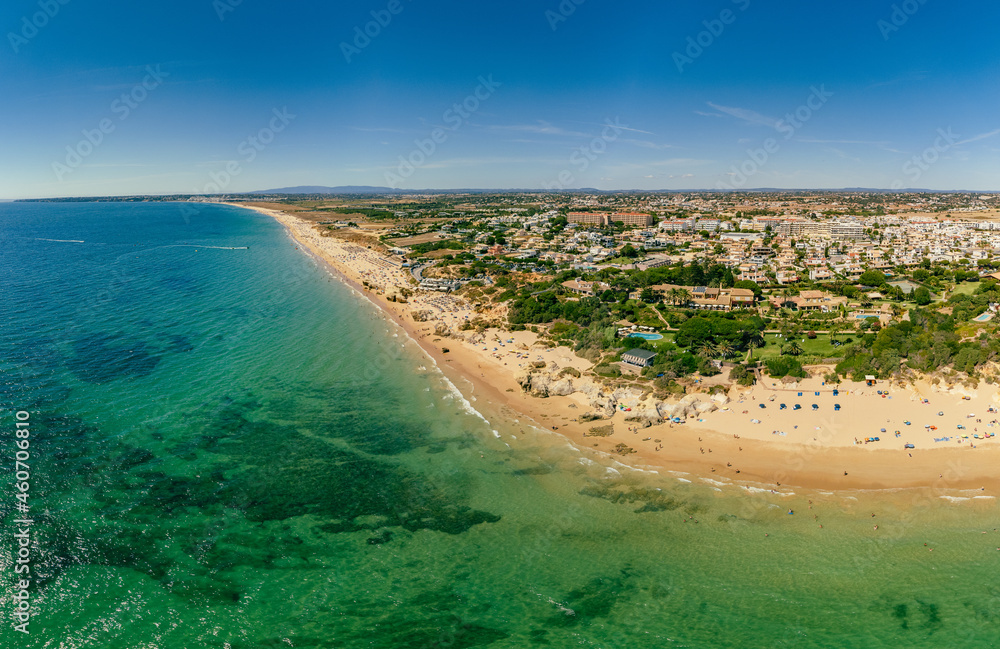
{"points": [[820, 347], [966, 288]]}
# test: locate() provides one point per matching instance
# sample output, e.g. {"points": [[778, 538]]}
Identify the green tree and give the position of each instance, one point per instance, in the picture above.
{"points": [[628, 250], [708, 350], [754, 340], [872, 278], [922, 296]]}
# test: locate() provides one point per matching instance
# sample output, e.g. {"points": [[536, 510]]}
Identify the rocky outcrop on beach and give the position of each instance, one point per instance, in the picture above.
{"points": [[542, 385], [644, 409]]}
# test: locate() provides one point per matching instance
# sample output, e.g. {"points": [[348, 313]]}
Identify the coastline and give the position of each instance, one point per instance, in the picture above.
{"points": [[739, 453]]}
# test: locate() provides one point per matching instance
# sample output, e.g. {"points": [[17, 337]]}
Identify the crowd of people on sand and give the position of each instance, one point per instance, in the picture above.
{"points": [[374, 269]]}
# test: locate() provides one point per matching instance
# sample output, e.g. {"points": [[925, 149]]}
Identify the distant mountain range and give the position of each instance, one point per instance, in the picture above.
{"points": [[319, 189], [366, 189]]}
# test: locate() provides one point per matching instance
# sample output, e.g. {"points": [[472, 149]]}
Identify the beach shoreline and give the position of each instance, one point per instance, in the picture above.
{"points": [[719, 446]]}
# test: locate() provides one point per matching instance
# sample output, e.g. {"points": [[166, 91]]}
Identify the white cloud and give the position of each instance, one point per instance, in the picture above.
{"points": [[647, 144], [541, 128], [981, 136], [745, 114]]}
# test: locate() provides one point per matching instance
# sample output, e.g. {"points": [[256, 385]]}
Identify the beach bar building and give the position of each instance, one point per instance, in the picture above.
{"points": [[638, 357]]}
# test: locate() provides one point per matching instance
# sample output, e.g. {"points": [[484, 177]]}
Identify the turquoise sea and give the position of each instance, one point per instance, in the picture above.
{"points": [[230, 448]]}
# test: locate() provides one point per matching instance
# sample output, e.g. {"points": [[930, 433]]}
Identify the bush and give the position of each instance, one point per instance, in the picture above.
{"points": [[780, 366], [742, 375], [811, 335], [608, 370]]}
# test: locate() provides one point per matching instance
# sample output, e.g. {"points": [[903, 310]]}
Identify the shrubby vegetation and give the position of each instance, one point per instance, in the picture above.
{"points": [[781, 366], [927, 342]]}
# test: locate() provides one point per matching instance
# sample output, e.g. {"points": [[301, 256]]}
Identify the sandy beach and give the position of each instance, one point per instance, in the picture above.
{"points": [[737, 442]]}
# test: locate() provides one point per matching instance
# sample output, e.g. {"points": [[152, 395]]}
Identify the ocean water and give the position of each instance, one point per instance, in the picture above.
{"points": [[230, 448]]}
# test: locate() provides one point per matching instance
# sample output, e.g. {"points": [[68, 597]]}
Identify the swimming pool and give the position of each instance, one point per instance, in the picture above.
{"points": [[985, 317], [862, 317], [646, 336]]}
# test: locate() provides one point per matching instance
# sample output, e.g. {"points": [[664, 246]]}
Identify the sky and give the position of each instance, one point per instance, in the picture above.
{"points": [[108, 97]]}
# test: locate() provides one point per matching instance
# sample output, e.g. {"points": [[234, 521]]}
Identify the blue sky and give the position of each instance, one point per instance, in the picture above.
{"points": [[253, 94]]}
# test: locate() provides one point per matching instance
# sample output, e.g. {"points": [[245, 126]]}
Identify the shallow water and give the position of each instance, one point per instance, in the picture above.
{"points": [[231, 449]]}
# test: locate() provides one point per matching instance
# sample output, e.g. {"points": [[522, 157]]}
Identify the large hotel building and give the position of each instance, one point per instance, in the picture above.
{"points": [[603, 218]]}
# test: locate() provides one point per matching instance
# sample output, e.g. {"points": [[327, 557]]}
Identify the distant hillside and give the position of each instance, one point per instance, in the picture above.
{"points": [[319, 189]]}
